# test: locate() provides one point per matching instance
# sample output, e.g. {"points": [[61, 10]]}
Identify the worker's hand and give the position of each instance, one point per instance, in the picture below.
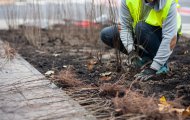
{"points": [[133, 56], [146, 74]]}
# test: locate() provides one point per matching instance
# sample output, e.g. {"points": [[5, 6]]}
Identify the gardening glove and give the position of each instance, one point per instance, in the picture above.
{"points": [[133, 57], [146, 74]]}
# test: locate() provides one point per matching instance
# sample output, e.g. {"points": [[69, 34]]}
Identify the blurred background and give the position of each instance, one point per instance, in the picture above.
{"points": [[47, 14], [54, 11]]}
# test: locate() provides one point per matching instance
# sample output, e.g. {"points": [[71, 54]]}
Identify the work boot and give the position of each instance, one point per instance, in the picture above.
{"points": [[163, 69]]}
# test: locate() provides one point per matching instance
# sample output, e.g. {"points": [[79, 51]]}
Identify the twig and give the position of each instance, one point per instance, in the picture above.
{"points": [[138, 117]]}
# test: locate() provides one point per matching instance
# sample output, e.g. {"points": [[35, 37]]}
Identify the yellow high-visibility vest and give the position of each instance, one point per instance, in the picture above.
{"points": [[155, 18]]}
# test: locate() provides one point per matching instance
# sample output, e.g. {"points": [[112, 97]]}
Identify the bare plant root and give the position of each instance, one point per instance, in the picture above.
{"points": [[124, 101], [9, 54], [127, 101], [9, 51], [111, 90], [67, 79], [133, 102], [132, 106]]}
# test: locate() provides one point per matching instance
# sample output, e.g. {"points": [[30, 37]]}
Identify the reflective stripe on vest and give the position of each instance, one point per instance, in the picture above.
{"points": [[155, 18]]}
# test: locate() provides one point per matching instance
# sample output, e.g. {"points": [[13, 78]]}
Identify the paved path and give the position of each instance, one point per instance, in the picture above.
{"points": [[26, 94]]}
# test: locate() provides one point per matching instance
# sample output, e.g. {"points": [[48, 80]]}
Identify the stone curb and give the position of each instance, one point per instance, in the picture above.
{"points": [[27, 94]]}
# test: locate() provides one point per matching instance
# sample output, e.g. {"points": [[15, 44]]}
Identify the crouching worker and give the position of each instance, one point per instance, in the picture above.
{"points": [[153, 24]]}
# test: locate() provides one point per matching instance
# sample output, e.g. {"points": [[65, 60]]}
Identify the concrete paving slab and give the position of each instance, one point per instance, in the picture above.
{"points": [[15, 68], [27, 94]]}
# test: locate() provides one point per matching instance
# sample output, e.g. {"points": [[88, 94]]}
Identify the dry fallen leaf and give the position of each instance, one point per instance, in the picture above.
{"points": [[168, 109], [163, 101], [185, 69], [64, 66], [186, 52], [93, 63], [106, 74], [6, 42], [186, 112], [164, 106], [89, 67], [53, 76], [56, 55], [105, 78], [42, 52], [49, 72]]}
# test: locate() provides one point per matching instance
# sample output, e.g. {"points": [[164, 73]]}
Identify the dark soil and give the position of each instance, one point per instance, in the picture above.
{"points": [[172, 86]]}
